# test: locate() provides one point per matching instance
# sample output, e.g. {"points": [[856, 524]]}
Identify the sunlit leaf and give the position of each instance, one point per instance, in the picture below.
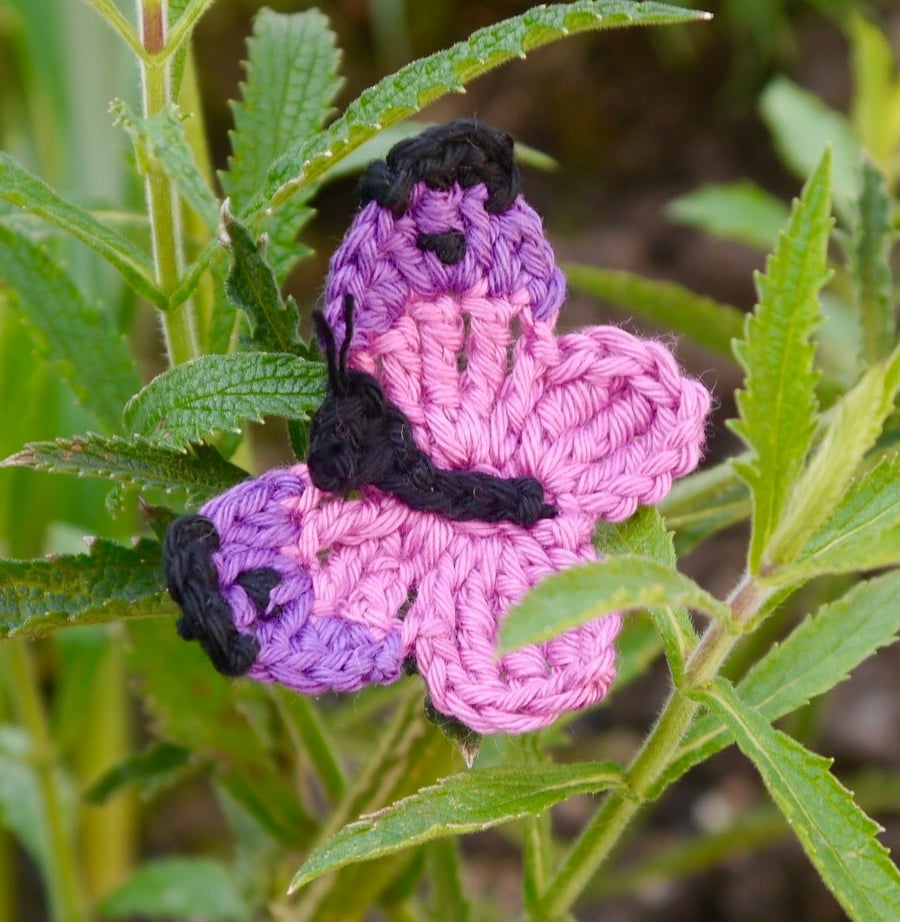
{"points": [[778, 404], [836, 835], [177, 888], [585, 592]]}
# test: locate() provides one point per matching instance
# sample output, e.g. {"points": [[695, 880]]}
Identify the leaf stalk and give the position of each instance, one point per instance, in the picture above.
{"points": [[62, 879], [609, 823]]}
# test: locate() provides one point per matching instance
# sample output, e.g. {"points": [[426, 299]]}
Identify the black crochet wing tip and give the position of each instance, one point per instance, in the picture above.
{"points": [[193, 583]]}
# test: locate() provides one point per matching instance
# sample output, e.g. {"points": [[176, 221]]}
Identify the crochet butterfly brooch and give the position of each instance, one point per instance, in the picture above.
{"points": [[463, 453]]}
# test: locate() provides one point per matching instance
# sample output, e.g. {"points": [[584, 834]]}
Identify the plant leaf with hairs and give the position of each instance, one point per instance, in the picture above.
{"points": [[200, 471], [853, 429], [402, 94], [252, 287], [109, 583], [459, 804], [161, 139], [291, 84], [868, 253], [645, 534], [839, 839], [217, 393], [863, 532], [778, 403], [77, 336], [580, 594]]}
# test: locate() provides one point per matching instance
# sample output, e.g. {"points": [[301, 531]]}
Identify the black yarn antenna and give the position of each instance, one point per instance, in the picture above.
{"points": [[463, 152], [359, 437]]}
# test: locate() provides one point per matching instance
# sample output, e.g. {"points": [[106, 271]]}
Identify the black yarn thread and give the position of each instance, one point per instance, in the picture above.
{"points": [[194, 584], [358, 437], [449, 247], [463, 152]]}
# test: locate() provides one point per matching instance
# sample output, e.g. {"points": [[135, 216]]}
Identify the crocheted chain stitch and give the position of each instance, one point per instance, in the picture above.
{"points": [[341, 592]]}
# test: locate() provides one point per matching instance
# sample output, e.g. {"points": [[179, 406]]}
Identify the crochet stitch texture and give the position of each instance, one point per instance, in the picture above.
{"points": [[456, 295]]}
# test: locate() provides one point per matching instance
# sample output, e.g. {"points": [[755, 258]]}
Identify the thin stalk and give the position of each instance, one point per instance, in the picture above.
{"points": [[608, 824], [182, 29], [118, 23], [162, 198], [63, 885]]}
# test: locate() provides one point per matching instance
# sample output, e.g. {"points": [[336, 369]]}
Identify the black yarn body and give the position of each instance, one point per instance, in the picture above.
{"points": [[358, 437], [463, 153], [194, 585]]}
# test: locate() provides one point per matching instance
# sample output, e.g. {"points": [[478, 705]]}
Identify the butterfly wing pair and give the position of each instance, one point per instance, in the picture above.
{"points": [[455, 292]]}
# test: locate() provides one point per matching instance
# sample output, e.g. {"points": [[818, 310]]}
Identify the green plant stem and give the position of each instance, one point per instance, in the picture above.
{"points": [[182, 29], [162, 198], [119, 24], [63, 884], [609, 823]]}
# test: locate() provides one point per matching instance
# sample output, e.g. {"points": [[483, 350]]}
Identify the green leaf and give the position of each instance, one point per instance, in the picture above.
{"points": [[875, 109], [802, 127], [704, 503], [148, 770], [820, 653], [110, 583], [467, 802], [78, 337], [854, 428], [251, 286], [863, 532], [665, 304], [740, 211], [836, 835], [421, 82], [868, 255], [177, 888], [161, 140], [21, 188], [778, 405], [583, 593], [218, 392], [291, 84], [200, 471], [645, 534]]}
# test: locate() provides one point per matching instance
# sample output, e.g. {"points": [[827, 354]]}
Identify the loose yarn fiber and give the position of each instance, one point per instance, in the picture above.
{"points": [[450, 292]]}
